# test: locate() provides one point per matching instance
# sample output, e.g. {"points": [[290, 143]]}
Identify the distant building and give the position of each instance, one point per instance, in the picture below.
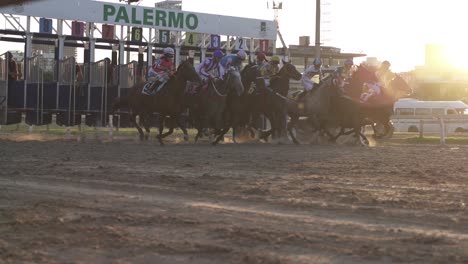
{"points": [[438, 79], [331, 56]]}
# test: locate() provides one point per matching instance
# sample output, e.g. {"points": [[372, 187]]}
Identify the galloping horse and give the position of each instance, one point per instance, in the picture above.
{"points": [[327, 107], [167, 102], [212, 104], [272, 102], [262, 100]]}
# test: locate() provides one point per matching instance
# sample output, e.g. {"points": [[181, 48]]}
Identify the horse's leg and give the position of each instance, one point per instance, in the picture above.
{"points": [[221, 134], [160, 126], [171, 127], [140, 131], [199, 133], [182, 126], [333, 138], [145, 122], [291, 125]]}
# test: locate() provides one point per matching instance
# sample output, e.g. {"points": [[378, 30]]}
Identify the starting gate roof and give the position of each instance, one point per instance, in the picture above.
{"points": [[149, 17]]}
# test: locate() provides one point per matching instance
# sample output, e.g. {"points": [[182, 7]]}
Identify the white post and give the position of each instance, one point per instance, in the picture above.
{"points": [[67, 134], [111, 127], [421, 128], [81, 127], [30, 129], [442, 131]]}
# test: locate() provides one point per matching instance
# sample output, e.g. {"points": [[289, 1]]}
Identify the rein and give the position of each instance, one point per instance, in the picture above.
{"points": [[216, 90]]}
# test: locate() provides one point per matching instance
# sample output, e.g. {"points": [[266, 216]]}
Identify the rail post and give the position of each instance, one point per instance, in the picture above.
{"points": [[421, 128], [442, 130], [111, 127]]}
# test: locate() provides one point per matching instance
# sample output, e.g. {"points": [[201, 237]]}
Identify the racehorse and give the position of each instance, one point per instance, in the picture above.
{"points": [[167, 102], [214, 104], [260, 99], [279, 83], [329, 106]]}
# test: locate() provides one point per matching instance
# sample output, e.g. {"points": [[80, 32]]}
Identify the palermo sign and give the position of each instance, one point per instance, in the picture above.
{"points": [[149, 17], [145, 17]]}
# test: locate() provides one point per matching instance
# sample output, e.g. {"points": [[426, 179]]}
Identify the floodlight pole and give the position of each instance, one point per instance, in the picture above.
{"points": [[317, 28]]}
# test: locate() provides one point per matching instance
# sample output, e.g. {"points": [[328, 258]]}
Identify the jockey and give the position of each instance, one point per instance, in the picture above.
{"points": [[384, 74], [232, 60], [312, 76], [261, 59], [209, 69], [269, 69], [162, 68], [273, 66], [372, 90], [346, 73]]}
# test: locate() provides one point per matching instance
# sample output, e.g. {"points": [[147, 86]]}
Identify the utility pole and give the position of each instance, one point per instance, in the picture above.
{"points": [[317, 28], [276, 8]]}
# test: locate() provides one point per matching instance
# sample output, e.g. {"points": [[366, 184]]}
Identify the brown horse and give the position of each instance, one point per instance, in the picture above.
{"points": [[167, 102]]}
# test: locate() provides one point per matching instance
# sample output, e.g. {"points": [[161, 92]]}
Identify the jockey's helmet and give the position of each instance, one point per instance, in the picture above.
{"points": [[348, 62], [317, 62], [218, 54], [241, 54], [275, 58], [385, 64], [168, 51], [261, 56]]}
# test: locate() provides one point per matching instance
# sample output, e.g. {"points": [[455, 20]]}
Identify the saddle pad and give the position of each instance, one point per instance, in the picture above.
{"points": [[146, 89]]}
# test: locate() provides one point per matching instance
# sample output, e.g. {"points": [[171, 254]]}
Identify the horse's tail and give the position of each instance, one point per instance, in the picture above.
{"points": [[120, 102]]}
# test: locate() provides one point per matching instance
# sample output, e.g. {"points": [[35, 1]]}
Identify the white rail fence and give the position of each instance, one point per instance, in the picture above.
{"points": [[442, 120]]}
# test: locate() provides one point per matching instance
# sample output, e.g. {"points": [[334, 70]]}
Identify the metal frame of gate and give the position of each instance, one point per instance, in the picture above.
{"points": [[67, 93], [34, 77], [128, 77], [96, 73], [3, 89]]}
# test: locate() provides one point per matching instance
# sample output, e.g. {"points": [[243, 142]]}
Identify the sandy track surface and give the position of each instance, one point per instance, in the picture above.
{"points": [[127, 202]]}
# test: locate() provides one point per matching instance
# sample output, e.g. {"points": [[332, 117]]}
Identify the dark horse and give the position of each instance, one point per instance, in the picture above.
{"points": [[214, 104], [273, 101], [167, 102], [329, 107], [379, 109]]}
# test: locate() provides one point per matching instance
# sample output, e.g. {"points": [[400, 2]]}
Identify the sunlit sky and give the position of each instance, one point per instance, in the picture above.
{"points": [[394, 30]]}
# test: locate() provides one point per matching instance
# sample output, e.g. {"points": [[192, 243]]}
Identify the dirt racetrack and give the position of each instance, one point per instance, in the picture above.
{"points": [[128, 202]]}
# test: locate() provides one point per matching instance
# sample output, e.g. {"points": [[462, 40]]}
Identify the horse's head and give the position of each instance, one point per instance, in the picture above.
{"points": [[400, 86], [233, 81], [289, 71], [187, 72], [249, 74]]}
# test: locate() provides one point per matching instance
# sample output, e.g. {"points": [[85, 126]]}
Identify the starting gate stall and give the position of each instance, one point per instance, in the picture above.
{"points": [[67, 94], [93, 99], [41, 90], [11, 95], [128, 77]]}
